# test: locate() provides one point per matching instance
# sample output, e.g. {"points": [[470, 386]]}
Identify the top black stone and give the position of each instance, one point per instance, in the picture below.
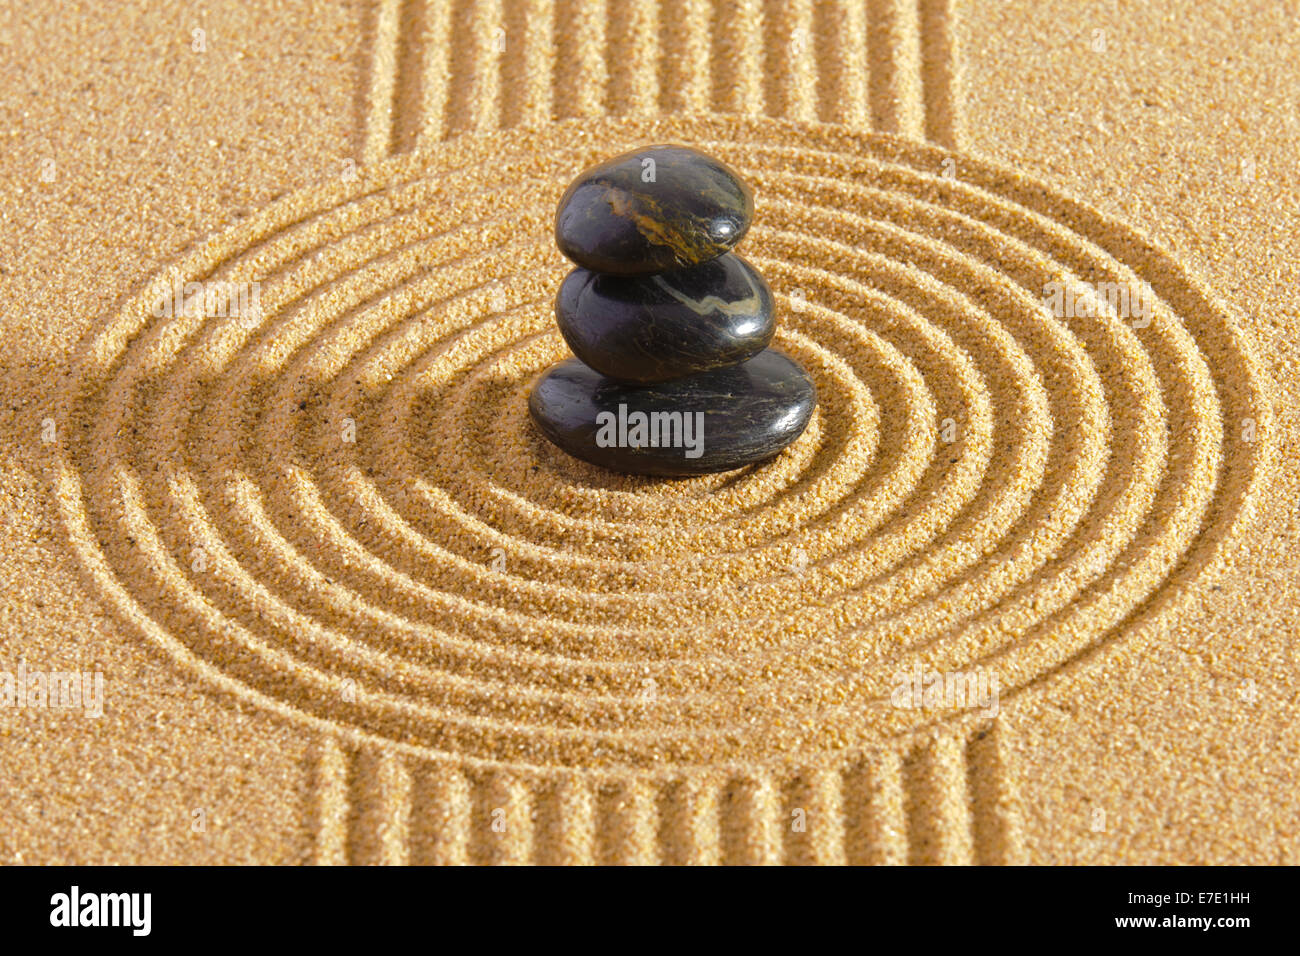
{"points": [[651, 210]]}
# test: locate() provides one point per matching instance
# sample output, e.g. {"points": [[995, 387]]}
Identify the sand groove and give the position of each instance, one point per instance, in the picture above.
{"points": [[338, 509], [842, 93], [381, 103]]}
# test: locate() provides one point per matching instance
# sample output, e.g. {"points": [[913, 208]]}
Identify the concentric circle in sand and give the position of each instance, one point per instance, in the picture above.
{"points": [[338, 507]]}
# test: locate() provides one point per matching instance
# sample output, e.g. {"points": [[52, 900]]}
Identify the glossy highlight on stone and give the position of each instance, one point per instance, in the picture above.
{"points": [[651, 210], [708, 422], [644, 329]]}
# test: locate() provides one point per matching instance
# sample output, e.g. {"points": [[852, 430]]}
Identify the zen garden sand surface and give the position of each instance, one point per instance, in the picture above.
{"points": [[277, 286]]}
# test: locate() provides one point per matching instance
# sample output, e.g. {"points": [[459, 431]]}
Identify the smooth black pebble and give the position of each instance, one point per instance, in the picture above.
{"points": [[707, 422], [646, 329], [651, 210]]}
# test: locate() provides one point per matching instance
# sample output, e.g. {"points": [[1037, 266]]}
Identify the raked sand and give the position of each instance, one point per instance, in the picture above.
{"points": [[350, 606]]}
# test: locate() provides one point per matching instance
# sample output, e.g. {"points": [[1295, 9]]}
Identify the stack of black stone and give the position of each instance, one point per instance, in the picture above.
{"points": [[673, 375]]}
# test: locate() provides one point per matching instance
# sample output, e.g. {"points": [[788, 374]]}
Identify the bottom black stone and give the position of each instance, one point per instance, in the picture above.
{"points": [[703, 423]]}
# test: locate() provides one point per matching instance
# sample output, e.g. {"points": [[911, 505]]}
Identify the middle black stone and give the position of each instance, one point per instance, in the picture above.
{"points": [[646, 329]]}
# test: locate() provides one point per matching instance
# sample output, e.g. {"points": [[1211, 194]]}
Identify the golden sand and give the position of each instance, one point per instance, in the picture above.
{"points": [[350, 605]]}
